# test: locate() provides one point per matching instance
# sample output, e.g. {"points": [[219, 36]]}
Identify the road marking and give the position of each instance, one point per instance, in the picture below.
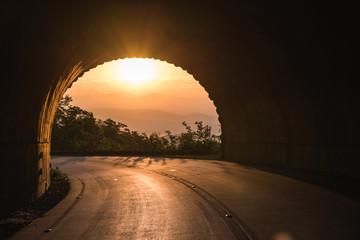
{"points": [[238, 228]]}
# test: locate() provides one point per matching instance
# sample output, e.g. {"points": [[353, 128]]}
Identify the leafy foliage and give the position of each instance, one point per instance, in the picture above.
{"points": [[76, 130]]}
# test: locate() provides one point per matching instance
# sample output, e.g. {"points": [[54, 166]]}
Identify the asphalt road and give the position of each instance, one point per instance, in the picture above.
{"points": [[160, 198]]}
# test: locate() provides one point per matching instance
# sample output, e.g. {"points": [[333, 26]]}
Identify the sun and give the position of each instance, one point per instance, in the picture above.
{"points": [[136, 71]]}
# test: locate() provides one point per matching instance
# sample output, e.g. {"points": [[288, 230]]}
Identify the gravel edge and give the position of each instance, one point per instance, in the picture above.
{"points": [[20, 218]]}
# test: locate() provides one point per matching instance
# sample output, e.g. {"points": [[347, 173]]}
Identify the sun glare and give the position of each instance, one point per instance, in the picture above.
{"points": [[136, 71], [150, 95]]}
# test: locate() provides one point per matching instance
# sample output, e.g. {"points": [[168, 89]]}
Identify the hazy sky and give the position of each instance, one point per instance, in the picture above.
{"points": [[141, 84]]}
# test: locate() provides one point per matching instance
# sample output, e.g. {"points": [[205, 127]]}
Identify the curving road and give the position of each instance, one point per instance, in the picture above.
{"points": [[160, 198]]}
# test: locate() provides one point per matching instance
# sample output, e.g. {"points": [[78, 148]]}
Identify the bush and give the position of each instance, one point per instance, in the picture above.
{"points": [[77, 131]]}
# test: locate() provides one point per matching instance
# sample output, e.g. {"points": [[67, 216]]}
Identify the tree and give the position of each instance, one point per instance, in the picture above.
{"points": [[172, 142], [157, 142], [75, 129], [114, 133], [200, 140]]}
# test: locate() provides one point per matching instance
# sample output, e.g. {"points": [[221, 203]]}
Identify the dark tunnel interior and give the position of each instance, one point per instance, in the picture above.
{"points": [[280, 74]]}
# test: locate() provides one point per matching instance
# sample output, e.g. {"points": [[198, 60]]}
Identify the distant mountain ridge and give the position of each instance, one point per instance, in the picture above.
{"points": [[152, 120]]}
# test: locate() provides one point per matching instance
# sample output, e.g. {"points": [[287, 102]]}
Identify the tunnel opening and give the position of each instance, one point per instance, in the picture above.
{"points": [[136, 106]]}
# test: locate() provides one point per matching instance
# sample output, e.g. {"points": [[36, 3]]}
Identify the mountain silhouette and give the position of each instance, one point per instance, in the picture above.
{"points": [[151, 120]]}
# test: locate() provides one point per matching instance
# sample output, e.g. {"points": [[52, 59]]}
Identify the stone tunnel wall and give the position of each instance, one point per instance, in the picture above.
{"points": [[279, 74]]}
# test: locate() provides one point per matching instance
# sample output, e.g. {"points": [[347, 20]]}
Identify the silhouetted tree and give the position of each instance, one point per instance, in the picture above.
{"points": [[76, 130], [201, 139]]}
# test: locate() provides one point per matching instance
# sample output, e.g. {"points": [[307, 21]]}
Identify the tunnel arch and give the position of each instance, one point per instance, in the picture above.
{"points": [[65, 85], [278, 73]]}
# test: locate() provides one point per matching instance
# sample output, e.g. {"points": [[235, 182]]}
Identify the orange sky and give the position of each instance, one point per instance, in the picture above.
{"points": [[141, 84]]}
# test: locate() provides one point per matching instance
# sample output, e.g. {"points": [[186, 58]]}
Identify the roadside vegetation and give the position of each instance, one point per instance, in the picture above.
{"points": [[20, 218], [76, 131]]}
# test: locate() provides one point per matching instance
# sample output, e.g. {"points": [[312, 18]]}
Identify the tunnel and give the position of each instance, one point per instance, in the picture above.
{"points": [[280, 74]]}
